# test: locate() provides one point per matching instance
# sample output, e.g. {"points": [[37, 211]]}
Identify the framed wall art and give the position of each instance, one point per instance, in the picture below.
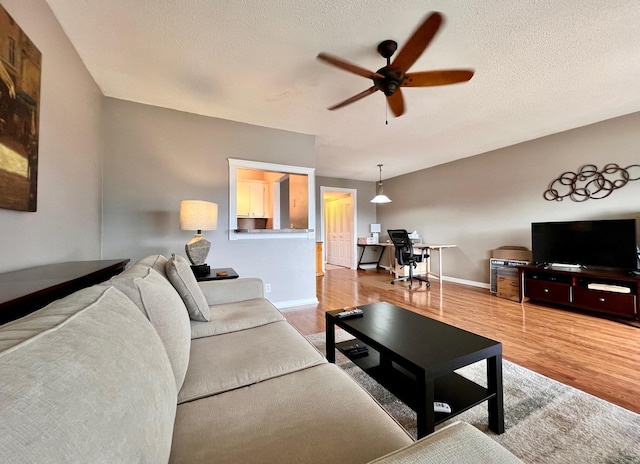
{"points": [[20, 69]]}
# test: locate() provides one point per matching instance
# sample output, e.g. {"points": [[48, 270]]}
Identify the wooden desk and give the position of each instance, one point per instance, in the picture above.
{"points": [[428, 246], [364, 248], [27, 290], [439, 249]]}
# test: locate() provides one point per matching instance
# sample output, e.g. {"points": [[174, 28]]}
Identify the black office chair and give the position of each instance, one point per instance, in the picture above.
{"points": [[406, 256]]}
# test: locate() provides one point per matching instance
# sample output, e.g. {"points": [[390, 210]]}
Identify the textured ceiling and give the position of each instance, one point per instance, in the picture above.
{"points": [[542, 66]]}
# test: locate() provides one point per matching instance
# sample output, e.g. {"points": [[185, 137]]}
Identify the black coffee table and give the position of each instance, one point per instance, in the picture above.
{"points": [[415, 357]]}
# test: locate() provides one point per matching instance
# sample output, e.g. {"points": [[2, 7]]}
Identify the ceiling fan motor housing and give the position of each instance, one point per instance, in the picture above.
{"points": [[390, 83]]}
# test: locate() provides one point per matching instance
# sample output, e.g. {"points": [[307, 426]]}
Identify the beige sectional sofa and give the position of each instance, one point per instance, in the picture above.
{"points": [[123, 372]]}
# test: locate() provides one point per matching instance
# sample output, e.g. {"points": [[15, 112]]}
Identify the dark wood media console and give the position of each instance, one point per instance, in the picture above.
{"points": [[616, 294]]}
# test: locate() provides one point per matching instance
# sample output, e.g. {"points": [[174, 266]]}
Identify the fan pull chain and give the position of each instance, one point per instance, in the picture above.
{"points": [[386, 114]]}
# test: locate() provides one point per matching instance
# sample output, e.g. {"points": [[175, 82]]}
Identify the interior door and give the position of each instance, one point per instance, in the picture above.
{"points": [[339, 230]]}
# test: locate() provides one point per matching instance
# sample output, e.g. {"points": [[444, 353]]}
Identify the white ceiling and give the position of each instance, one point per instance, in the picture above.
{"points": [[542, 66]]}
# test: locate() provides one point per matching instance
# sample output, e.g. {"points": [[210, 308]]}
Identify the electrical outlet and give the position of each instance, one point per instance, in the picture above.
{"points": [[267, 288]]}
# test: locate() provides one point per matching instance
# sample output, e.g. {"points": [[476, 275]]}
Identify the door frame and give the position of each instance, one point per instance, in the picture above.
{"points": [[354, 196]]}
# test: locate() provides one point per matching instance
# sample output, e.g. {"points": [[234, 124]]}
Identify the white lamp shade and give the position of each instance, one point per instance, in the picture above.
{"points": [[381, 199], [198, 215], [374, 228]]}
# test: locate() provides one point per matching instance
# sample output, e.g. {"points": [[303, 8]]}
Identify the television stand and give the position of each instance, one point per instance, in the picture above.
{"points": [[606, 291]]}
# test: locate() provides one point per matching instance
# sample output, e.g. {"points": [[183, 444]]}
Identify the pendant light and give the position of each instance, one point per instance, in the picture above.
{"points": [[380, 196]]}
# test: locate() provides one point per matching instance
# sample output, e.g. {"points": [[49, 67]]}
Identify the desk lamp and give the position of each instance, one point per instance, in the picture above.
{"points": [[198, 215], [375, 232]]}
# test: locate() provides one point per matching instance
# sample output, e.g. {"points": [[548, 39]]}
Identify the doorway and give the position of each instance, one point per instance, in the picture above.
{"points": [[338, 226]]}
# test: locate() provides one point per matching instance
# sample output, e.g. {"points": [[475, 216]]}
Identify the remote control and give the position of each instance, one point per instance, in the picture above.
{"points": [[357, 349], [352, 347], [439, 406], [357, 312]]}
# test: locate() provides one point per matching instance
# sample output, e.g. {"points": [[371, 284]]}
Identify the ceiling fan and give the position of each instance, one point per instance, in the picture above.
{"points": [[394, 75]]}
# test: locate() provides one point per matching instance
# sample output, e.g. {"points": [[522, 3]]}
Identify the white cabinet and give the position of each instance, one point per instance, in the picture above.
{"points": [[251, 199]]}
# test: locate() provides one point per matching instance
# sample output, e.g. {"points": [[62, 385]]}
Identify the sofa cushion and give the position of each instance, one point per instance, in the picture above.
{"points": [[232, 290], [224, 362], [232, 317], [315, 415], [157, 262], [85, 379], [160, 303], [459, 443], [181, 276]]}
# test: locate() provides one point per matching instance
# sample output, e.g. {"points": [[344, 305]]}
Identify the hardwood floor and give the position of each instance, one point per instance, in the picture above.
{"points": [[591, 353]]}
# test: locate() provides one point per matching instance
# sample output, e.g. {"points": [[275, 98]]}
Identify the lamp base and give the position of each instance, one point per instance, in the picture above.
{"points": [[197, 249], [201, 270]]}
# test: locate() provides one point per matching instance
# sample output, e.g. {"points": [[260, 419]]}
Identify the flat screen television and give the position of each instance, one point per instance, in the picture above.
{"points": [[604, 243]]}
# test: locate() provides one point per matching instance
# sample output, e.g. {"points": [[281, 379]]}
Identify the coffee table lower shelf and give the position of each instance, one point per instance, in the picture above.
{"points": [[452, 388]]}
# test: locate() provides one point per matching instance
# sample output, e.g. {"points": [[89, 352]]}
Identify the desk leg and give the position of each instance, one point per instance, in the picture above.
{"points": [[494, 382], [360, 260], [380, 258], [429, 273], [330, 339]]}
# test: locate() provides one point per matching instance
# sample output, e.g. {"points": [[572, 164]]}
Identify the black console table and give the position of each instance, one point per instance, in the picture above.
{"points": [[27, 290], [606, 291]]}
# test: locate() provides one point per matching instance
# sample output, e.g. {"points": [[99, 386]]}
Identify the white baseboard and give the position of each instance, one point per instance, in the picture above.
{"points": [[466, 282], [292, 303]]}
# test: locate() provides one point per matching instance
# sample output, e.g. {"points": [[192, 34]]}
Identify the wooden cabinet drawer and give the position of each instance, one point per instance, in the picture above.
{"points": [[547, 291], [623, 304]]}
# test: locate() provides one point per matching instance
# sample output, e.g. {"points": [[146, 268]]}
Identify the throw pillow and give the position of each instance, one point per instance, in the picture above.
{"points": [[159, 301], [166, 312], [157, 262], [181, 276]]}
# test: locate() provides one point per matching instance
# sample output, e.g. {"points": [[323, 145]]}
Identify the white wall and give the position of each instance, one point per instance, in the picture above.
{"points": [[156, 157], [67, 223], [486, 201]]}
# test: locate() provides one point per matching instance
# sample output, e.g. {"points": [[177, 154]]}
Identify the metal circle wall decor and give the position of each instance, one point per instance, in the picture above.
{"points": [[589, 182]]}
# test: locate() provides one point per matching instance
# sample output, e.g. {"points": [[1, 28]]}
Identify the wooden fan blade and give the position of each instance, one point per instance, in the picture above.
{"points": [[348, 101], [417, 43], [350, 67], [443, 77], [396, 103]]}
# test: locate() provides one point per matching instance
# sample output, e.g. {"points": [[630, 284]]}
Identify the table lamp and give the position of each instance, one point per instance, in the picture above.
{"points": [[375, 232], [198, 215]]}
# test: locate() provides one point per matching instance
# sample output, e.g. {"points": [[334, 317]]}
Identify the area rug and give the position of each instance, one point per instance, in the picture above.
{"points": [[545, 421]]}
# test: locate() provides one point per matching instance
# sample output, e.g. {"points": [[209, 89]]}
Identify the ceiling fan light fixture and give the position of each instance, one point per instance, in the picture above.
{"points": [[380, 196]]}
